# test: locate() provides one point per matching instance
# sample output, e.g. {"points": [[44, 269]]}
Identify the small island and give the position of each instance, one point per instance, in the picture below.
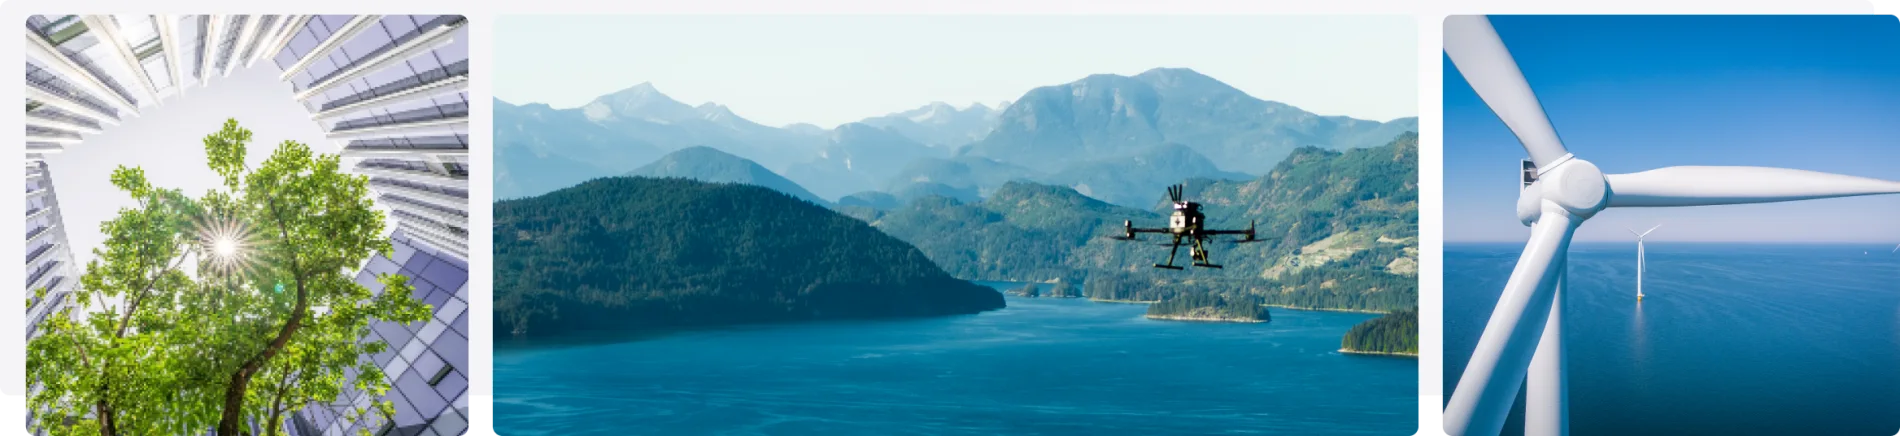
{"points": [[1209, 307], [1395, 334], [1028, 290]]}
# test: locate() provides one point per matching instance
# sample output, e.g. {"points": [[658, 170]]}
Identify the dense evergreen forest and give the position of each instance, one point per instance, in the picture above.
{"points": [[1210, 307], [1394, 333], [628, 253]]}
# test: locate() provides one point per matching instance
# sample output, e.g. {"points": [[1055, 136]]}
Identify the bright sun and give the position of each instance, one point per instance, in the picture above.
{"points": [[225, 246], [227, 242]]}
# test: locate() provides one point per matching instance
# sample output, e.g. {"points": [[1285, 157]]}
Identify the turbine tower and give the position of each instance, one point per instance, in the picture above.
{"points": [[1640, 263], [1524, 336]]}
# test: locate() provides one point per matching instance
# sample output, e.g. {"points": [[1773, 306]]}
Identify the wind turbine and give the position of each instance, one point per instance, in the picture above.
{"points": [[1524, 336], [1640, 263]]}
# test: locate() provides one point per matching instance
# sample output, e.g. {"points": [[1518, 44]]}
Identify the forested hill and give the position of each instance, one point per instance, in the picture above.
{"points": [[628, 253], [1341, 230]]}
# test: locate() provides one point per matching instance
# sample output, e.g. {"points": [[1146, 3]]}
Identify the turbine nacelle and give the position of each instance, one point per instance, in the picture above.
{"points": [[1572, 186]]}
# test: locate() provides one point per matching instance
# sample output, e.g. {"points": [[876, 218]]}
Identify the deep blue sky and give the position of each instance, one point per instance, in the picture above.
{"points": [[1632, 93]]}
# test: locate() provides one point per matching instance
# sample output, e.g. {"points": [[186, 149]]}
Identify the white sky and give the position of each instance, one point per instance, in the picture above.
{"points": [[167, 141], [829, 70]]}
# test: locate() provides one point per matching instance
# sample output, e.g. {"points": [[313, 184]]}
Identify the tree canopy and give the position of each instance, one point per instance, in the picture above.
{"points": [[231, 308]]}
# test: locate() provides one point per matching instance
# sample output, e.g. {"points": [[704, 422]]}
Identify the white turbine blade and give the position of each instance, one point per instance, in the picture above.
{"points": [[1647, 232], [1478, 53], [1703, 186], [1639, 236], [1491, 379], [1896, 249]]}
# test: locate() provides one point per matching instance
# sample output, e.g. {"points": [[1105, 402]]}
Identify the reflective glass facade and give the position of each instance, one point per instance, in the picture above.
{"points": [[426, 362]]}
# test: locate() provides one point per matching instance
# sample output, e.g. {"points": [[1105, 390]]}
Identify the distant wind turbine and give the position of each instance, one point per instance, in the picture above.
{"points": [[1896, 249], [1641, 265]]}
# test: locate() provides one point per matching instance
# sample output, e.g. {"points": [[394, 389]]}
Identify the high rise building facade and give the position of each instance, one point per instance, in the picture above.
{"points": [[388, 91]]}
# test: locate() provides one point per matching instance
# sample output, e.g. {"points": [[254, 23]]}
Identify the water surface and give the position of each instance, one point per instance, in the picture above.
{"points": [[1729, 338], [1039, 367]]}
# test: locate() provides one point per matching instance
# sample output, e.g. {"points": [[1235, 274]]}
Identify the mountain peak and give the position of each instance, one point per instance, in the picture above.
{"points": [[1184, 79], [641, 101], [715, 112], [1172, 72]]}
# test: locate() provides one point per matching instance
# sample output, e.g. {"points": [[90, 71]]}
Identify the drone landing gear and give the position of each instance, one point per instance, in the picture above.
{"points": [[1172, 267], [1207, 265]]}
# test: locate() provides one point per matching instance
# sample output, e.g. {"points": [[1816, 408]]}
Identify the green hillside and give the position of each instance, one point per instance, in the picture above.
{"points": [[1342, 229], [630, 253]]}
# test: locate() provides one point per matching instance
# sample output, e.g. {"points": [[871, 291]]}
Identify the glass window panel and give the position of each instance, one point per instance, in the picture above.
{"points": [[398, 25], [332, 23], [365, 43]]}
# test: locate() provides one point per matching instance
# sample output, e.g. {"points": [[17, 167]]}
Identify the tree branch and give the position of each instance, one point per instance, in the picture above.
{"points": [[133, 306]]}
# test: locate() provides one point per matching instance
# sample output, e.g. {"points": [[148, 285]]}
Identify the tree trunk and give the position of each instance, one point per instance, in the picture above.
{"points": [[106, 426], [228, 425]]}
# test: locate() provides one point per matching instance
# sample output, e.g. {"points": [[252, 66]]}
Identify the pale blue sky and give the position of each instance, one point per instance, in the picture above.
{"points": [[829, 70]]}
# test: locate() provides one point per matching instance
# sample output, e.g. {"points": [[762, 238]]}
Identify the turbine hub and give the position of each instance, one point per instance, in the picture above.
{"points": [[1574, 185], [1577, 186]]}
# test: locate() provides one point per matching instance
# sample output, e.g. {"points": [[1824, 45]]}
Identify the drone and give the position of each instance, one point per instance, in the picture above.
{"points": [[1186, 225]]}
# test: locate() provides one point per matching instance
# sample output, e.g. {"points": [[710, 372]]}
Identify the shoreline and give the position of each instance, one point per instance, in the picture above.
{"points": [[1313, 309], [1377, 353], [1202, 319], [1123, 301]]}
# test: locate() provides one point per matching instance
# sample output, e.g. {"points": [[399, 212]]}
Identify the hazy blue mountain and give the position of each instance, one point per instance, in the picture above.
{"points": [[642, 112], [707, 164], [856, 157], [1107, 115], [807, 129], [540, 149], [978, 175], [939, 124], [1137, 180], [871, 199]]}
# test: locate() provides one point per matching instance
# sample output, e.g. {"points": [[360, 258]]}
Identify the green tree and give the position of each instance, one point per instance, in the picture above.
{"points": [[268, 319]]}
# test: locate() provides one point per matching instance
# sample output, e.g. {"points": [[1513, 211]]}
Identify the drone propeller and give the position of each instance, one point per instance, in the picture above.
{"points": [[1174, 193]]}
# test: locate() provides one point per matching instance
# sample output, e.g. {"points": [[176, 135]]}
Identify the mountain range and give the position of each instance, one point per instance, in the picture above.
{"points": [[708, 164], [1114, 138]]}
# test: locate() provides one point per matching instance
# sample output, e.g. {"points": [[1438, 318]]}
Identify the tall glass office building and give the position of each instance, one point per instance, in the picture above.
{"points": [[388, 91]]}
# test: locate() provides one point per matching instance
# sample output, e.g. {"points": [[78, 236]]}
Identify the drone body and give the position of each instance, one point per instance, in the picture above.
{"points": [[1186, 224]]}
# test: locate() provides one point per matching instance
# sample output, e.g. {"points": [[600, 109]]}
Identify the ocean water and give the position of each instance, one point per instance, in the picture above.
{"points": [[1039, 367], [1729, 339]]}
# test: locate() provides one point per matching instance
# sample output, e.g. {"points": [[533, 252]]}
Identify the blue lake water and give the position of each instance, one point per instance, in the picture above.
{"points": [[1729, 339], [1039, 367]]}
